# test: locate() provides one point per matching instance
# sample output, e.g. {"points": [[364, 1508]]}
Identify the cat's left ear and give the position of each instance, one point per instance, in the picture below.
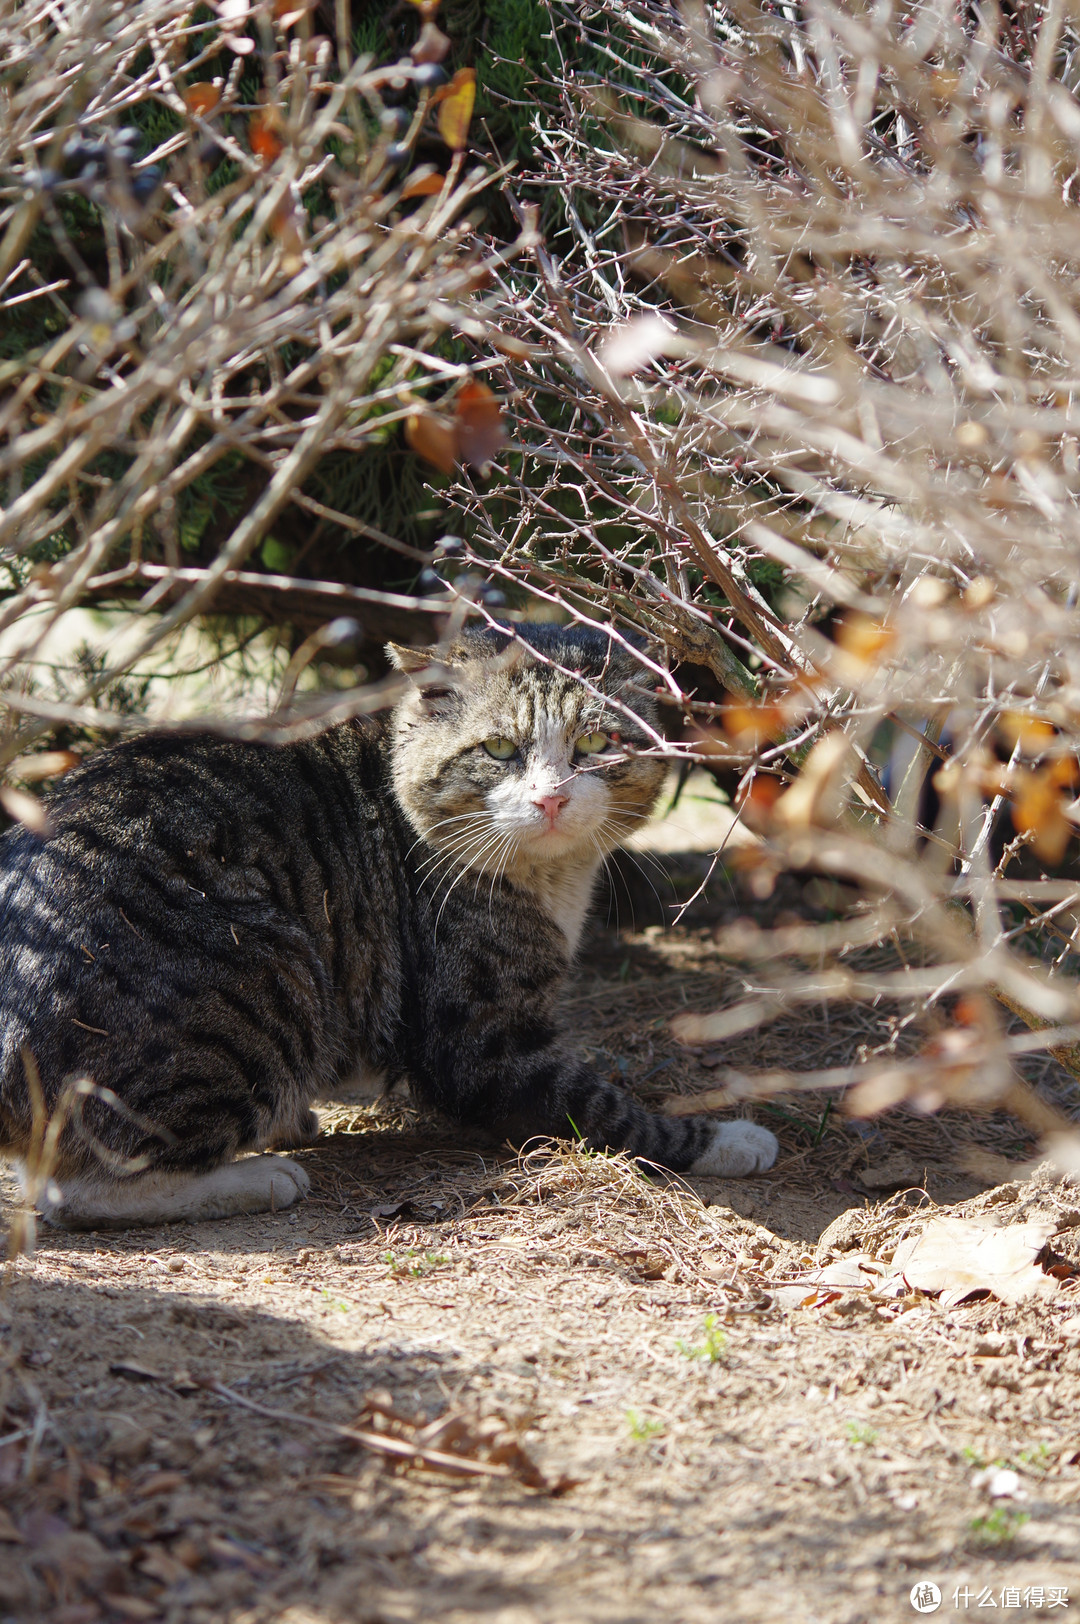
{"points": [[412, 660], [431, 675]]}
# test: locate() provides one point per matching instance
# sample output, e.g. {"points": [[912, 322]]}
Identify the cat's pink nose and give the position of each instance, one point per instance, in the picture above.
{"points": [[551, 806]]}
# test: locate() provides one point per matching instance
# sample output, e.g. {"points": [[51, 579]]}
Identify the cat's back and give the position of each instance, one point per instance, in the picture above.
{"points": [[151, 815], [180, 871]]}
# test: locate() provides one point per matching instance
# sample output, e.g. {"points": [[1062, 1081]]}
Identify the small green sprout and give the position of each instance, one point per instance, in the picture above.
{"points": [[998, 1526], [336, 1303], [641, 1427], [414, 1262], [1036, 1459], [712, 1346], [858, 1432]]}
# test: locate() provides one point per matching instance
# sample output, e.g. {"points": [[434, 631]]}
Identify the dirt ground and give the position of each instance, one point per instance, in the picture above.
{"points": [[666, 1418]]}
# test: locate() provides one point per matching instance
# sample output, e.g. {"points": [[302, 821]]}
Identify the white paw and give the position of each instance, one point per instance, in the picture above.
{"points": [[276, 1182], [736, 1149]]}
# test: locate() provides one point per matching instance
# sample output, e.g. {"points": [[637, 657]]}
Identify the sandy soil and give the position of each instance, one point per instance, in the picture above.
{"points": [[670, 1422]]}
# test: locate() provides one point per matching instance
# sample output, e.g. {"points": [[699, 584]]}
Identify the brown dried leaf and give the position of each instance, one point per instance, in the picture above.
{"points": [[751, 725], [434, 439], [864, 640], [1030, 734], [423, 186], [431, 45], [264, 134], [957, 1256], [289, 12], [1039, 810], [478, 425], [132, 1606], [201, 99]]}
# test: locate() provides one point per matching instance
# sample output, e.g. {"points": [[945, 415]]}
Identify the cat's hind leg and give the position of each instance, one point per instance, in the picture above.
{"points": [[98, 1201], [736, 1149]]}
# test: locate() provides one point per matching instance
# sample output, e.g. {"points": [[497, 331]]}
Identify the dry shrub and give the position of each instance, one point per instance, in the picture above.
{"points": [[800, 404], [218, 265]]}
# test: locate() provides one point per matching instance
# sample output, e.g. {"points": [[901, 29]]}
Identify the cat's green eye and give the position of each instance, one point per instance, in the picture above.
{"points": [[502, 749], [591, 744]]}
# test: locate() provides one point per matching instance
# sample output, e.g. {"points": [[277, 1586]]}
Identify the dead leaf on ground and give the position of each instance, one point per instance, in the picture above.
{"points": [[895, 1173], [956, 1256]]}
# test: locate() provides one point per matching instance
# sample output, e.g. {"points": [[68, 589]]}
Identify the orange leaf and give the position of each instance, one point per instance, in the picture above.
{"points": [[263, 134], [478, 424], [973, 1010], [288, 12], [434, 439], [864, 639], [1030, 733], [1039, 811], [201, 99], [757, 805], [751, 725], [423, 186], [456, 108]]}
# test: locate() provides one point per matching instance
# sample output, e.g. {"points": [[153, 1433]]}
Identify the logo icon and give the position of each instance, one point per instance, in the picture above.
{"points": [[925, 1597]]}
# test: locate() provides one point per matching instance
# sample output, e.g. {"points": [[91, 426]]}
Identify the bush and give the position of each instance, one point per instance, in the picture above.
{"points": [[797, 400], [223, 268]]}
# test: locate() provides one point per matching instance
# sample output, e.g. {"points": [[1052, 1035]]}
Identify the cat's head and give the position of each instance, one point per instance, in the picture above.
{"points": [[511, 758]]}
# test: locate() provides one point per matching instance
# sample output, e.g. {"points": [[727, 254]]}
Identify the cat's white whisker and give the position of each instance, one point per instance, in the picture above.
{"points": [[446, 898], [458, 843], [425, 838], [465, 856]]}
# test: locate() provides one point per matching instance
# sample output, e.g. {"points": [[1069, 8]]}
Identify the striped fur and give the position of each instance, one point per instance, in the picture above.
{"points": [[215, 933]]}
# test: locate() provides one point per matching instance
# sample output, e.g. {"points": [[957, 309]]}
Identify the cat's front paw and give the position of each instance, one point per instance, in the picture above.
{"points": [[285, 1180], [736, 1150]]}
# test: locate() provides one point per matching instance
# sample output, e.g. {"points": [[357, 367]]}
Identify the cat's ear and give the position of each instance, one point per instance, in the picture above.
{"points": [[427, 667], [411, 660]]}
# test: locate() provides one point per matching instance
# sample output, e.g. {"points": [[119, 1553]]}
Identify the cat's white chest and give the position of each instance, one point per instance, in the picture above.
{"points": [[565, 895]]}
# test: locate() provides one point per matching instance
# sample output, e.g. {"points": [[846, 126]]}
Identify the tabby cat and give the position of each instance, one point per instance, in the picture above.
{"points": [[214, 933]]}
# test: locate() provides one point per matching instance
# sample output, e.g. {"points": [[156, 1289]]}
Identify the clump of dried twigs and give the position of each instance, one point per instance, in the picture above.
{"points": [[801, 405]]}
